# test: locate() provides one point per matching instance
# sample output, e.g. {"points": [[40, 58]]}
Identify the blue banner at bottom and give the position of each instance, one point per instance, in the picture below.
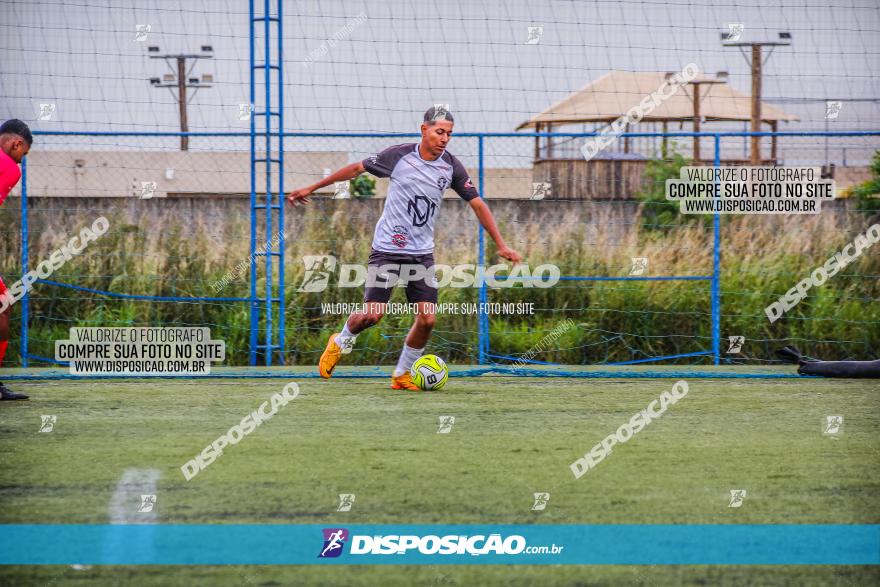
{"points": [[145, 544]]}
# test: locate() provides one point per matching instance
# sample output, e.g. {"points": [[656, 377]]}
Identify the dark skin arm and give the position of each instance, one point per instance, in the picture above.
{"points": [[484, 215], [301, 196]]}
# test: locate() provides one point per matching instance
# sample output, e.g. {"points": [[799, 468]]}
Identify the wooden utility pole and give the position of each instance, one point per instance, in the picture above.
{"points": [[181, 93], [756, 104], [755, 64], [178, 79]]}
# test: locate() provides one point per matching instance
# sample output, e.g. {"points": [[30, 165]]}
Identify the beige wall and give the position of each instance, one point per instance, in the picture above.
{"points": [[91, 174], [121, 174], [847, 176]]}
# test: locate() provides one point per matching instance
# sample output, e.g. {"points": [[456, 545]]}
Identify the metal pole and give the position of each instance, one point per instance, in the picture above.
{"points": [[254, 304], [25, 300], [482, 318], [716, 271], [267, 82], [696, 123], [282, 339]]}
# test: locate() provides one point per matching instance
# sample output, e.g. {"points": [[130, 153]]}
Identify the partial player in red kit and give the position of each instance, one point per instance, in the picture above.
{"points": [[15, 142]]}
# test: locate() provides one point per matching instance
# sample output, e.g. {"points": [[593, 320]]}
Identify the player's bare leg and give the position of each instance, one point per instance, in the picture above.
{"points": [[370, 316], [414, 346], [341, 343], [6, 394]]}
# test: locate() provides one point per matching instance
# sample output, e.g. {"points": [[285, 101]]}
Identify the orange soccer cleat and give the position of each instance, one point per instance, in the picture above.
{"points": [[331, 356], [404, 382]]}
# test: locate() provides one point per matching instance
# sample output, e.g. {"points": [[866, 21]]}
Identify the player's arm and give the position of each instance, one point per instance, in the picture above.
{"points": [[462, 185], [380, 164], [487, 220], [346, 173]]}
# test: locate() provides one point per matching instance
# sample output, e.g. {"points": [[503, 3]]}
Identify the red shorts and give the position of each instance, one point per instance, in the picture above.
{"points": [[2, 287]]}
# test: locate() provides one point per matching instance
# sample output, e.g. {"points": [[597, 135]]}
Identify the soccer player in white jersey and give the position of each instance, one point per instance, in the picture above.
{"points": [[404, 236]]}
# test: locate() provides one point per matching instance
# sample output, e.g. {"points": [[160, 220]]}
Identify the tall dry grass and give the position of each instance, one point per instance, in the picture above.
{"points": [[180, 250]]}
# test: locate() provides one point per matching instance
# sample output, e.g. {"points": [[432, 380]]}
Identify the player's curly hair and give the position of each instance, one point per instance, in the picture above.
{"points": [[15, 126]]}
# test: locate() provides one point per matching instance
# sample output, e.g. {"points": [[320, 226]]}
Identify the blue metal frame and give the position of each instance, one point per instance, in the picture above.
{"points": [[273, 200], [25, 300], [482, 316], [716, 272], [254, 300], [254, 305], [282, 338]]}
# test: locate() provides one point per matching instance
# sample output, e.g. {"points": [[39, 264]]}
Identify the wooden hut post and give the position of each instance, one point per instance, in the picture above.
{"points": [[664, 144], [537, 142], [774, 125]]}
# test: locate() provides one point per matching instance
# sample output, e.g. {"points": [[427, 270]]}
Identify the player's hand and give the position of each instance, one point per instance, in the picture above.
{"points": [[298, 197], [510, 254]]}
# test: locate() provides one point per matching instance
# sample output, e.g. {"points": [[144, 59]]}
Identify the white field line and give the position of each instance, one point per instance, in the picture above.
{"points": [[127, 498], [123, 509]]}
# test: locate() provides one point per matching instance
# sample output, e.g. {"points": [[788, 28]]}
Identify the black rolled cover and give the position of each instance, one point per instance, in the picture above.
{"points": [[854, 369]]}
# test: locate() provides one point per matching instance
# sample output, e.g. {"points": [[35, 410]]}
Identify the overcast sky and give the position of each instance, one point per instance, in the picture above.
{"points": [[391, 59]]}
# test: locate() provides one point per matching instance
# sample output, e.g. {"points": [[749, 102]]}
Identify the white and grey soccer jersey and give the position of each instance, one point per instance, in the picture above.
{"points": [[414, 196]]}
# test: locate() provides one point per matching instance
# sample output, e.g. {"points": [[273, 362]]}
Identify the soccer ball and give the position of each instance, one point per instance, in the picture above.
{"points": [[430, 373]]}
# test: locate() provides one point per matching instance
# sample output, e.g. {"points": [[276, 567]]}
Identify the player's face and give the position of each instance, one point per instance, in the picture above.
{"points": [[436, 136], [18, 148]]}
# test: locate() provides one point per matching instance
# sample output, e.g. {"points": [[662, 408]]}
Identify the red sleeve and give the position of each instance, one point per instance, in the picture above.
{"points": [[9, 175]]}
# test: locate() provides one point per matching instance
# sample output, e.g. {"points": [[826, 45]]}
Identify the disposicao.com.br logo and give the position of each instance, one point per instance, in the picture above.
{"points": [[334, 541]]}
